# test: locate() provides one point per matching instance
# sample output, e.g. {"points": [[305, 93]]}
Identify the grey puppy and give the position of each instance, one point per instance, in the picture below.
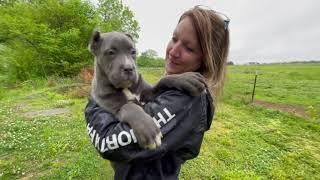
{"points": [[116, 83]]}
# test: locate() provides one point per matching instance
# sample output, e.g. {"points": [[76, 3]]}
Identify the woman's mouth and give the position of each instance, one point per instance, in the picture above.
{"points": [[174, 62]]}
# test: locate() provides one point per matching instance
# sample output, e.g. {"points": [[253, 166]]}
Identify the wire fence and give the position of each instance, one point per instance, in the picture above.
{"points": [[273, 89]]}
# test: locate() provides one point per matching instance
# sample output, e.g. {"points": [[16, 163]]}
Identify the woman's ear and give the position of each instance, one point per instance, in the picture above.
{"points": [[95, 42]]}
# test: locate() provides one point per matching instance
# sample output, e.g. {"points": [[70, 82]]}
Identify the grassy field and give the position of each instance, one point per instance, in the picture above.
{"points": [[296, 84], [43, 133]]}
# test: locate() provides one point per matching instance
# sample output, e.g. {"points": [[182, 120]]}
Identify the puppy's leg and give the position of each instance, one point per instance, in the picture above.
{"points": [[191, 82], [147, 132]]}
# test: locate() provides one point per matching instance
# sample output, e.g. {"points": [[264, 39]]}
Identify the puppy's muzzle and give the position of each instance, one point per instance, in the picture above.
{"points": [[128, 71]]}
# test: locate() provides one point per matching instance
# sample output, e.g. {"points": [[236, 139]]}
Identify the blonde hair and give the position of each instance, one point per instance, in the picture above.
{"points": [[213, 35]]}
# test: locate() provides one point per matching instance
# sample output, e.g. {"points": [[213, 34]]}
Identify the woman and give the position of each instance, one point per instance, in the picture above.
{"points": [[200, 43]]}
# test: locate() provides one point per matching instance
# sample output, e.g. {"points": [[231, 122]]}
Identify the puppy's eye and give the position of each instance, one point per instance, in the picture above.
{"points": [[133, 52], [110, 52]]}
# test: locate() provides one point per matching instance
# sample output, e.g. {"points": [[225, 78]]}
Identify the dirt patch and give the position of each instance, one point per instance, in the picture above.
{"points": [[48, 112], [79, 92], [35, 175], [86, 75], [296, 110]]}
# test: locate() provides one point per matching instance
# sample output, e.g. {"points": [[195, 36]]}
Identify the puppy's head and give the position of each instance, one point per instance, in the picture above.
{"points": [[115, 57]]}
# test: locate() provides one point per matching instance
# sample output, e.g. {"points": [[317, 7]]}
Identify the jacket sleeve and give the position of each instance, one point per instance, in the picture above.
{"points": [[177, 114]]}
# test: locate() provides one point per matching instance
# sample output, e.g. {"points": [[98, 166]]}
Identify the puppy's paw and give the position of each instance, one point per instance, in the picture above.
{"points": [[147, 132], [154, 143], [191, 82], [149, 136]]}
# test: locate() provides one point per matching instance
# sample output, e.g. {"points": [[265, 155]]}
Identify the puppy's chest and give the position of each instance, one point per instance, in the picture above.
{"points": [[131, 96]]}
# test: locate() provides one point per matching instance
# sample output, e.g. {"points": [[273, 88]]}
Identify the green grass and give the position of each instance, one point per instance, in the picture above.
{"points": [[45, 146], [296, 84], [244, 142], [250, 142]]}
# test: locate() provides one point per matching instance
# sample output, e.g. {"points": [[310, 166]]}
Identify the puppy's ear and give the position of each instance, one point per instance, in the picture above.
{"points": [[129, 35], [95, 43]]}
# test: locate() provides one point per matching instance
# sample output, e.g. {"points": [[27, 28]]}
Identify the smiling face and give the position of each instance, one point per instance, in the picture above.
{"points": [[183, 53]]}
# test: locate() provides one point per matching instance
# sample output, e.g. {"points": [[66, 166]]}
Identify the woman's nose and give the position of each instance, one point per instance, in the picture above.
{"points": [[175, 50]]}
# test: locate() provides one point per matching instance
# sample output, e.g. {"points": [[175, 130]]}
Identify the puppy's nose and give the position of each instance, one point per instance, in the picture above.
{"points": [[128, 69]]}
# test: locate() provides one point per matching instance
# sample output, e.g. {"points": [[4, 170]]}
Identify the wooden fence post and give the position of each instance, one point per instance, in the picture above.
{"points": [[254, 86]]}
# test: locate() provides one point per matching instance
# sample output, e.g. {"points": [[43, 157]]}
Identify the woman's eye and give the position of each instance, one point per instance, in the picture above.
{"points": [[174, 39], [189, 49]]}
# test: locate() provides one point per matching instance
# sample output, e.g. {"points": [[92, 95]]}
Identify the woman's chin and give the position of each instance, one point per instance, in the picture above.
{"points": [[170, 70]]}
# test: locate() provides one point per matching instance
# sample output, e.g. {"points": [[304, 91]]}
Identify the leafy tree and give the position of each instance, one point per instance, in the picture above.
{"points": [[39, 38], [230, 63], [150, 53], [149, 58], [117, 17]]}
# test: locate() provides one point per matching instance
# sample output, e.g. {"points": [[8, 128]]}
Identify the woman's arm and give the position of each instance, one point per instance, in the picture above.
{"points": [[176, 113]]}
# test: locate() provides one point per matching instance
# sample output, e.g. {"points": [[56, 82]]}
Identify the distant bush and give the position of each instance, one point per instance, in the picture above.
{"points": [[230, 63], [150, 62]]}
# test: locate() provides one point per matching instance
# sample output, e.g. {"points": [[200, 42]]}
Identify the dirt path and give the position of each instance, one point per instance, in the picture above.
{"points": [[296, 110], [47, 112]]}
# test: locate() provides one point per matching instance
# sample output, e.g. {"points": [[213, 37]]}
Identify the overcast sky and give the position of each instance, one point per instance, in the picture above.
{"points": [[260, 30]]}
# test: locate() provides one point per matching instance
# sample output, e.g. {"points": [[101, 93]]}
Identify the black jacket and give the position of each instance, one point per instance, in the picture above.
{"points": [[183, 120]]}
